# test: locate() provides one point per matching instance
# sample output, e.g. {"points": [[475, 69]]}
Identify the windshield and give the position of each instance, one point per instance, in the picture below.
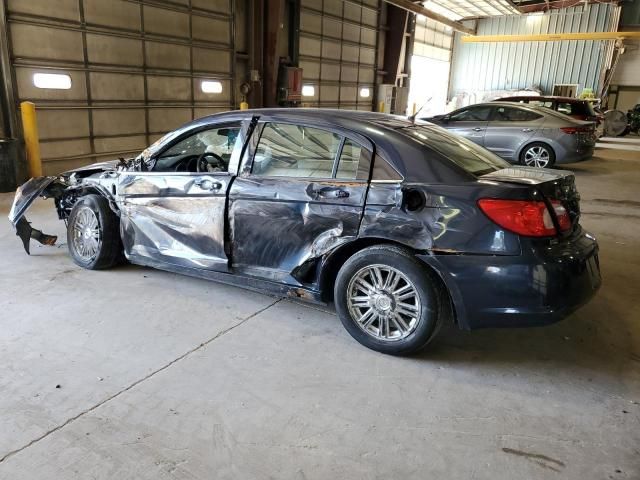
{"points": [[464, 153], [148, 152]]}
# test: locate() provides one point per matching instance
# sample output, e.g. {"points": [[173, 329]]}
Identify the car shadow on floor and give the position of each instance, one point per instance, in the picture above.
{"points": [[593, 167], [593, 341]]}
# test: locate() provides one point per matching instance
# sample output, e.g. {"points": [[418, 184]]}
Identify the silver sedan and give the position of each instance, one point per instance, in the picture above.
{"points": [[532, 136]]}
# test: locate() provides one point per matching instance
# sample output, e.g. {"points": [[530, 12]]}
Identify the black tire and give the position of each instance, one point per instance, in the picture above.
{"points": [[108, 251], [426, 286], [552, 154]]}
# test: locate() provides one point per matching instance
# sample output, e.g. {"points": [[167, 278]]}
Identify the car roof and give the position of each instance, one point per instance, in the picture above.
{"points": [[321, 115], [505, 104], [542, 97]]}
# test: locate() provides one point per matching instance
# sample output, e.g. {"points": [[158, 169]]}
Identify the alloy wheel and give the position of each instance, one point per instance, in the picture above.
{"points": [[384, 303], [86, 234], [537, 156]]}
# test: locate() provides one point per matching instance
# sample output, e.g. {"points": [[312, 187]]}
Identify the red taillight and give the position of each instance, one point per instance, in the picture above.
{"points": [[564, 221], [524, 217], [575, 130]]}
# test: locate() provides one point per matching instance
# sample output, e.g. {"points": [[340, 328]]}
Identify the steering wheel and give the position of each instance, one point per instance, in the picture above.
{"points": [[203, 163]]}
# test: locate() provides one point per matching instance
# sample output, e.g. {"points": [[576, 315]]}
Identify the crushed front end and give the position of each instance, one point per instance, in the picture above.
{"points": [[65, 190]]}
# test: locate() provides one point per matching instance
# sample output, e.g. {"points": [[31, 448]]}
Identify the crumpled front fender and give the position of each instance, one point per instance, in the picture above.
{"points": [[26, 195]]}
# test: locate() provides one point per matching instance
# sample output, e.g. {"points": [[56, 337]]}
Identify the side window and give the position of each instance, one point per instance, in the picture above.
{"points": [[473, 114], [354, 162], [286, 150], [565, 107], [541, 103], [212, 148], [382, 170], [507, 114]]}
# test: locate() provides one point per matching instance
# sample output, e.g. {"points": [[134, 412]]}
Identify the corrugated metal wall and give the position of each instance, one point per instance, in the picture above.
{"points": [[136, 69], [498, 66], [338, 45]]}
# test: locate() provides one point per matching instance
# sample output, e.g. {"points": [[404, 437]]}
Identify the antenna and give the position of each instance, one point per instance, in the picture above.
{"points": [[412, 117]]}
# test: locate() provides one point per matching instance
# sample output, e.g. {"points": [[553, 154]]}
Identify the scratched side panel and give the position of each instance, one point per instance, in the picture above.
{"points": [[279, 224], [448, 220], [169, 218]]}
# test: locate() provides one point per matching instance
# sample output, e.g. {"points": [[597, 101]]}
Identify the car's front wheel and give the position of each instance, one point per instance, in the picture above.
{"points": [[387, 300], [93, 233]]}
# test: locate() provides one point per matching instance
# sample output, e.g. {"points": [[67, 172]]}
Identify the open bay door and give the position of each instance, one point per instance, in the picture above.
{"points": [[430, 65]]}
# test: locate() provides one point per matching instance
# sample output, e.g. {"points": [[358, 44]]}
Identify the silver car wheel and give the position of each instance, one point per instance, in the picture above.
{"points": [[384, 303], [537, 156], [86, 234]]}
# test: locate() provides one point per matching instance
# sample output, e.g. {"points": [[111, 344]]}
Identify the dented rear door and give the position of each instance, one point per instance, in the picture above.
{"points": [[300, 194]]}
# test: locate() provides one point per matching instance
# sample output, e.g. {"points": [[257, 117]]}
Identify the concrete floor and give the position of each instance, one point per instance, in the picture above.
{"points": [[139, 374]]}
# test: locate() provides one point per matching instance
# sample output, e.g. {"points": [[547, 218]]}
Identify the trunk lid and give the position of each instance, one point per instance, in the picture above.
{"points": [[587, 136], [552, 184]]}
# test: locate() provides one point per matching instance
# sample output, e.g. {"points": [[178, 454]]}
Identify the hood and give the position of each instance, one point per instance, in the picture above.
{"points": [[95, 167], [434, 119]]}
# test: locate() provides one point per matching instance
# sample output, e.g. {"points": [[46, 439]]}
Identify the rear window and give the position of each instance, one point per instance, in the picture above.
{"points": [[576, 108], [464, 153]]}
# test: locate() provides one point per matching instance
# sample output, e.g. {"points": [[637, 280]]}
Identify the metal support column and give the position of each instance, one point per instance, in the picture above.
{"points": [[274, 12], [255, 25], [9, 115], [394, 47]]}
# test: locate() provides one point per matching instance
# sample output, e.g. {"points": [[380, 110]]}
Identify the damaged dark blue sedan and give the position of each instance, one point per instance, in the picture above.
{"points": [[400, 223]]}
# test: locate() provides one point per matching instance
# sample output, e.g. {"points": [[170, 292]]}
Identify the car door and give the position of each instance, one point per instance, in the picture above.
{"points": [[510, 128], [300, 193], [175, 213], [470, 122]]}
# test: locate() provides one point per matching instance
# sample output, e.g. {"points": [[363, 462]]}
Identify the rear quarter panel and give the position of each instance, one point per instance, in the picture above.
{"points": [[448, 221]]}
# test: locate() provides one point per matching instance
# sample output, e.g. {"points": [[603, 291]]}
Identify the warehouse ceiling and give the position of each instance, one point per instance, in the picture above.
{"points": [[461, 9]]}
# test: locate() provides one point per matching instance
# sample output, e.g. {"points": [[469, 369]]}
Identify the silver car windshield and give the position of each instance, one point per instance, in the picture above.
{"points": [[464, 153]]}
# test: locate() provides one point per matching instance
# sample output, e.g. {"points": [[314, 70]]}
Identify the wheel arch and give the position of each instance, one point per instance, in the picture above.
{"points": [[330, 266], [72, 194], [530, 142]]}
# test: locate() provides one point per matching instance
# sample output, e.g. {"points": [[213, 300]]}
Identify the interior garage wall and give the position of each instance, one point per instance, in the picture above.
{"points": [[519, 65], [338, 51], [136, 69]]}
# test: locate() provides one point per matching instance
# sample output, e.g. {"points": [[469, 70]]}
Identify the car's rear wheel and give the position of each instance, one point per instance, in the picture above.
{"points": [[538, 154], [387, 300], [93, 234]]}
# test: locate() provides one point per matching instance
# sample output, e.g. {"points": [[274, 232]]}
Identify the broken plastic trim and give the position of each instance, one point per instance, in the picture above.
{"points": [[26, 233]]}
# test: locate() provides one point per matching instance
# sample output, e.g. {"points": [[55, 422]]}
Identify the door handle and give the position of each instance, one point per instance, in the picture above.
{"points": [[330, 192], [478, 129], [527, 130], [207, 184]]}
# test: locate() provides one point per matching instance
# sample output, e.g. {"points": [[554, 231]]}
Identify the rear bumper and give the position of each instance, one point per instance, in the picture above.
{"points": [[539, 287], [579, 155]]}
